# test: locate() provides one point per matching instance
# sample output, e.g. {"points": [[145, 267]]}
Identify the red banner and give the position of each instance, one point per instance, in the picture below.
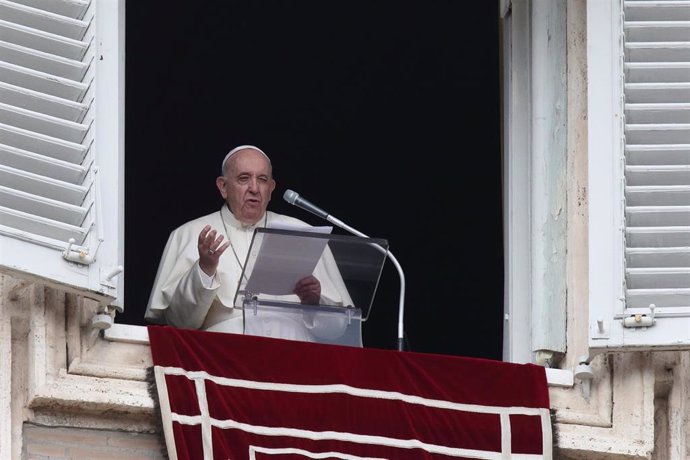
{"points": [[228, 396]]}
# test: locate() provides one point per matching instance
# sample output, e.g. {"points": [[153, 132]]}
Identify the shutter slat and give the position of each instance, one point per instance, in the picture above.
{"points": [[657, 154], [42, 206], [43, 124], [657, 92], [671, 195], [647, 216], [658, 237], [670, 113], [648, 133], [42, 82], [640, 298], [43, 103], [657, 175], [42, 144], [42, 165], [43, 20], [658, 257], [657, 52], [43, 62], [74, 9], [12, 221], [657, 10], [660, 72], [658, 278], [42, 41], [42, 186], [657, 31]]}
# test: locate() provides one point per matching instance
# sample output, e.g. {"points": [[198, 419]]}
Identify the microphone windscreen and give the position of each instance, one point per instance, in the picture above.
{"points": [[290, 196]]}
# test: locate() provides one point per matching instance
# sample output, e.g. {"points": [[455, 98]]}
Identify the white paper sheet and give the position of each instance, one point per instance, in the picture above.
{"points": [[283, 260]]}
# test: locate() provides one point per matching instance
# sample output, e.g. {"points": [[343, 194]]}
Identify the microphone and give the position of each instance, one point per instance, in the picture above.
{"points": [[294, 198]]}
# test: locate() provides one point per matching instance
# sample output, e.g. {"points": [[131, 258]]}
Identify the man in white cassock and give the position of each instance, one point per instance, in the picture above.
{"points": [[202, 262]]}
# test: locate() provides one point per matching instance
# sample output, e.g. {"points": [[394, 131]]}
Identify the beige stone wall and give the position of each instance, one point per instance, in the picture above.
{"points": [[68, 443], [57, 371]]}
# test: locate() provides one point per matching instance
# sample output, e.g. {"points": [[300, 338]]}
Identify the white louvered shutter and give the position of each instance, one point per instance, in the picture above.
{"points": [[657, 162], [61, 142], [640, 230]]}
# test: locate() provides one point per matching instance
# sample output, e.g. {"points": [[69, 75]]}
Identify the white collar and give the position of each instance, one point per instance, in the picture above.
{"points": [[233, 222]]}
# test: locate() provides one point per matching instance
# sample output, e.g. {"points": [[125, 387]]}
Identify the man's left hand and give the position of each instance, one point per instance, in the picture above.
{"points": [[308, 290]]}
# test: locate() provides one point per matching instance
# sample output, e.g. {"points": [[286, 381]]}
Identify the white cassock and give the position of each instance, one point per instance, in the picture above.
{"points": [[180, 298]]}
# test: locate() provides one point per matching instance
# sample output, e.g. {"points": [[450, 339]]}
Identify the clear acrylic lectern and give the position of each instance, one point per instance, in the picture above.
{"points": [[347, 267]]}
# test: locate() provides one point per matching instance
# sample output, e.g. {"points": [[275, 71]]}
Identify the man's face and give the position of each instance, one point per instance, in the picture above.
{"points": [[247, 185]]}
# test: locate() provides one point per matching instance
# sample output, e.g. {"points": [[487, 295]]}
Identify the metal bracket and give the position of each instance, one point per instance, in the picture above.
{"points": [[250, 302], [82, 256], [600, 330], [640, 319], [108, 275]]}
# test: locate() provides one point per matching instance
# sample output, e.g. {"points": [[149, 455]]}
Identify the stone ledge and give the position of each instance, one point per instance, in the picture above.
{"points": [[85, 393]]}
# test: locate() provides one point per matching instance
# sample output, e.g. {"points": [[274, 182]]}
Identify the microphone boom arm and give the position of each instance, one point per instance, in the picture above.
{"points": [[401, 308], [294, 199]]}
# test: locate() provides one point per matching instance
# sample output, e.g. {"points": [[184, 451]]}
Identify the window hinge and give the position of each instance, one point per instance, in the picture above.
{"points": [[585, 374], [640, 319]]}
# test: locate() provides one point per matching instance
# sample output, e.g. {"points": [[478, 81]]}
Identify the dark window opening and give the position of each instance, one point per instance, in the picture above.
{"points": [[386, 114]]}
